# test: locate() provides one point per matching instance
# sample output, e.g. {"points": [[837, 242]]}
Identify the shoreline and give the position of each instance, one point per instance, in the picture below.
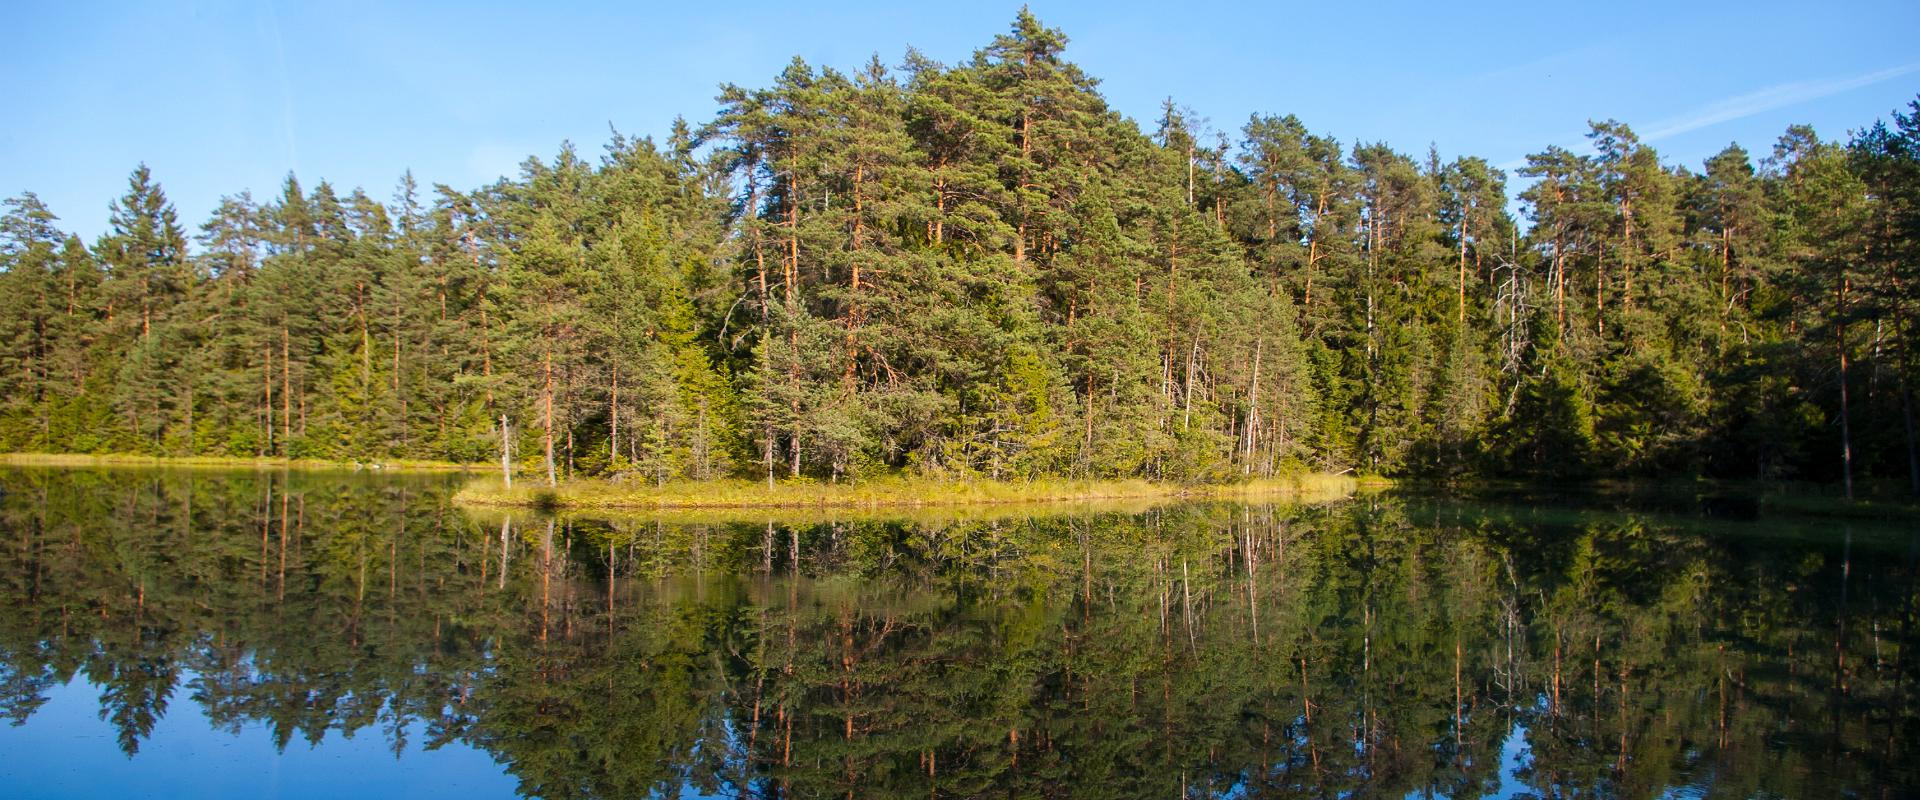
{"points": [[886, 493], [225, 462]]}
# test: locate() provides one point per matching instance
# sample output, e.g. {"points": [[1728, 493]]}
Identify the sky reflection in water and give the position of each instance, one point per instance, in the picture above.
{"points": [[312, 635]]}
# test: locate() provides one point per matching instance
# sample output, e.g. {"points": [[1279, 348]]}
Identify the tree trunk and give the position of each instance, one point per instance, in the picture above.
{"points": [[486, 351], [266, 379], [752, 219], [286, 388], [1846, 427], [486, 344], [1463, 268], [1726, 270], [506, 453], [1186, 420], [1559, 283], [366, 338], [1313, 251], [793, 243], [1626, 257], [190, 431], [937, 226], [613, 419], [852, 321], [1086, 446], [1253, 405], [547, 417], [1020, 201], [1599, 284]]}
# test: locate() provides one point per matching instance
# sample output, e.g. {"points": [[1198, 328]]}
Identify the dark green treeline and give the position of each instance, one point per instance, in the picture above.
{"points": [[1383, 647], [981, 269]]}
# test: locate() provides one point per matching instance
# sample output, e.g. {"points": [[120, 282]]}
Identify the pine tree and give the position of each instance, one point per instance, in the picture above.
{"points": [[983, 270]]}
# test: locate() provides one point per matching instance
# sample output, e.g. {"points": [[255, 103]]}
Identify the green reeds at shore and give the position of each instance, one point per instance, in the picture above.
{"points": [[890, 492]]}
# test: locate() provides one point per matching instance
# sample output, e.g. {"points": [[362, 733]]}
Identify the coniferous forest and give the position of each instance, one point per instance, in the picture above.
{"points": [[981, 269]]}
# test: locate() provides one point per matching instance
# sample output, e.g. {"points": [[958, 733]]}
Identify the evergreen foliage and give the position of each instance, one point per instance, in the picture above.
{"points": [[983, 270]]}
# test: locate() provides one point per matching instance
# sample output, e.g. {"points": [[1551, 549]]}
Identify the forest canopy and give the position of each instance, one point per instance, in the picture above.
{"points": [[981, 269]]}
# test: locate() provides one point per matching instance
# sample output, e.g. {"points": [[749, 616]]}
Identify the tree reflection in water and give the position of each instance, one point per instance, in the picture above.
{"points": [[1385, 646]]}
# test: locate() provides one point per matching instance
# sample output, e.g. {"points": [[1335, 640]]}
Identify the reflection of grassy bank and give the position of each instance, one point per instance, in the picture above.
{"points": [[1723, 499], [887, 493], [218, 462], [1824, 505]]}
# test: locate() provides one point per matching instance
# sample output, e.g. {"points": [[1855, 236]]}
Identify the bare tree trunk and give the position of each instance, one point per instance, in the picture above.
{"points": [[506, 453], [506, 535]]}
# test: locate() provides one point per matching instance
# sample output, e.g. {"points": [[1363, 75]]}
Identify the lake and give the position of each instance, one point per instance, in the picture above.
{"points": [[187, 633]]}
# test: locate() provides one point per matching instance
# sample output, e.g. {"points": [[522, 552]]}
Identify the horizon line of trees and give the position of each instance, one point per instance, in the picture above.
{"points": [[982, 269]]}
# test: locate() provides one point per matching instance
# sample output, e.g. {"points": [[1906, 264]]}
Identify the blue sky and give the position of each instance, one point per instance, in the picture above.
{"points": [[218, 97], [68, 751]]}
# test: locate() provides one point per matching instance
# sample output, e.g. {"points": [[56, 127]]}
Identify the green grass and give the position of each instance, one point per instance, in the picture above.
{"points": [[888, 493], [792, 516], [219, 462]]}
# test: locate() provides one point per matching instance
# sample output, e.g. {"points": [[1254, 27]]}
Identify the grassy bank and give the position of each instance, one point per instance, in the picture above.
{"points": [[892, 492], [932, 515], [220, 462]]}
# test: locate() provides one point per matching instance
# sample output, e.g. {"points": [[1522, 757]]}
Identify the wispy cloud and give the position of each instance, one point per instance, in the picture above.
{"points": [[1746, 105], [1768, 99]]}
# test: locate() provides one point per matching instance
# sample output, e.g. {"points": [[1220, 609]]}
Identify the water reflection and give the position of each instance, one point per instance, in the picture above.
{"points": [[1388, 646]]}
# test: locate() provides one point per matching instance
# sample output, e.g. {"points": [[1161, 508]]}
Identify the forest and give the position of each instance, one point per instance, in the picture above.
{"points": [[982, 270]]}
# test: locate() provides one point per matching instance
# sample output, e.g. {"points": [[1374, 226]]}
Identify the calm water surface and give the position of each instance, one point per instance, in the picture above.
{"points": [[251, 634]]}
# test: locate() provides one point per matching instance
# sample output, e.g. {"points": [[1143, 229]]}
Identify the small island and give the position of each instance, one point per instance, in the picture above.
{"points": [[885, 493]]}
